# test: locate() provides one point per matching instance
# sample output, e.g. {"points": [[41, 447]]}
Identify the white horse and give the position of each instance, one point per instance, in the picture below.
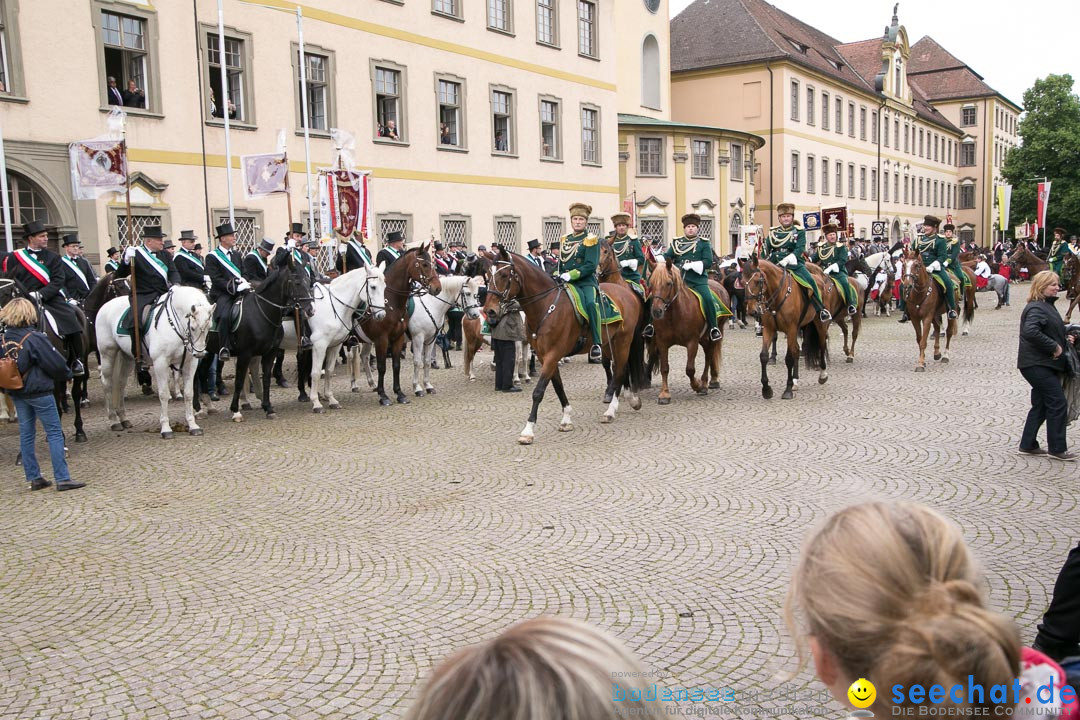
{"points": [[428, 317], [176, 338], [364, 290]]}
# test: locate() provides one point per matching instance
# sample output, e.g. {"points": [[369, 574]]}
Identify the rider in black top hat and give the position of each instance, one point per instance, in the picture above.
{"points": [[395, 243], [188, 264], [227, 284], [154, 273], [80, 278]]}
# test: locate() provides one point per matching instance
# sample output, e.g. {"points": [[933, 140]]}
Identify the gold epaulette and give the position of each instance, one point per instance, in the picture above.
{"points": [[590, 240]]}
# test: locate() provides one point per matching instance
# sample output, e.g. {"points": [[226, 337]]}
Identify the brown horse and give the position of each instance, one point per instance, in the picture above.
{"points": [[677, 320], [1072, 291], [885, 295], [608, 271], [388, 334], [555, 333], [836, 303], [925, 303], [783, 306], [1022, 257]]}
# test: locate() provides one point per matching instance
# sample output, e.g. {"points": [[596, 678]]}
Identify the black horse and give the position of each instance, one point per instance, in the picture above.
{"points": [[731, 278], [259, 334]]}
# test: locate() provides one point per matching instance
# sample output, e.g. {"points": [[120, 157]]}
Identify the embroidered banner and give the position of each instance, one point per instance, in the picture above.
{"points": [[98, 167], [265, 175], [345, 201]]}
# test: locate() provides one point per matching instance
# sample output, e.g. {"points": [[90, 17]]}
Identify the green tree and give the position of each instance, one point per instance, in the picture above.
{"points": [[1050, 147]]}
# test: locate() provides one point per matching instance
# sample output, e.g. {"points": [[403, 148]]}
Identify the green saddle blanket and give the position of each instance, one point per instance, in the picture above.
{"points": [[839, 286], [609, 312], [122, 325], [722, 310], [410, 305]]}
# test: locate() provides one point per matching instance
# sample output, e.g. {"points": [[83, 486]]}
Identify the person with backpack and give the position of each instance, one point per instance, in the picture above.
{"points": [[40, 366]]}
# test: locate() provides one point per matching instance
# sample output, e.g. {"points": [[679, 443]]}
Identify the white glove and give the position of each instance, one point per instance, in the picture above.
{"points": [[694, 266], [1074, 250], [832, 268], [789, 260], [633, 264], [290, 243], [206, 280], [626, 263], [947, 262], [129, 252], [243, 286], [342, 248], [933, 267], [35, 295], [565, 277]]}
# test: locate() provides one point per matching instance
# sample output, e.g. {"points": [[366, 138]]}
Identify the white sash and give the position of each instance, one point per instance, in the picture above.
{"points": [[257, 256], [226, 262], [362, 250], [72, 265], [153, 262]]}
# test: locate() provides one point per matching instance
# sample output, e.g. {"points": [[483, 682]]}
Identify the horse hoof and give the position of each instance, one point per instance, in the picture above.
{"points": [[606, 419], [245, 406], [472, 379], [850, 359], [525, 440], [237, 418], [964, 333], [944, 359], [920, 368], [80, 437], [702, 392], [419, 393], [195, 432], [86, 403], [937, 356], [355, 389], [303, 398], [607, 398], [714, 385], [167, 435], [318, 410], [822, 379], [566, 427], [271, 415], [766, 392], [126, 424], [663, 401], [402, 400], [384, 401], [635, 403], [335, 406], [787, 395], [430, 391], [772, 361], [147, 390]]}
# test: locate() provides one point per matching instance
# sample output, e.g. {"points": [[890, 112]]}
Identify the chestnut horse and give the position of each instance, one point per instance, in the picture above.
{"points": [[1022, 257], [783, 305], [925, 303], [608, 271], [555, 332], [677, 320], [836, 303]]}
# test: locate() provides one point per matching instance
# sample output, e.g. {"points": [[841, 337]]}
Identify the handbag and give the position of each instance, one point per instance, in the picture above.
{"points": [[10, 377]]}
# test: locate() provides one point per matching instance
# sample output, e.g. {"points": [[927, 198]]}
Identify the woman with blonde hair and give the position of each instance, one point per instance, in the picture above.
{"points": [[888, 592], [546, 668], [1040, 360]]}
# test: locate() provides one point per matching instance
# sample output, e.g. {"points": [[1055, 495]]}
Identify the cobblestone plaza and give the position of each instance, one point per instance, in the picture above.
{"points": [[319, 566]]}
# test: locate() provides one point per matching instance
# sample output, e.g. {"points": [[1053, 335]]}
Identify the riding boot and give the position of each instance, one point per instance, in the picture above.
{"points": [[74, 346], [823, 314], [305, 333]]}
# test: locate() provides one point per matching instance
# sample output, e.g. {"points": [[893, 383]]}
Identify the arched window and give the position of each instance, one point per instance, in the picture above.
{"points": [[28, 201], [650, 72]]}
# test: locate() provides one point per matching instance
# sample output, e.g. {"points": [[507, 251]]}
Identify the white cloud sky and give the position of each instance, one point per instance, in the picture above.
{"points": [[1010, 44]]}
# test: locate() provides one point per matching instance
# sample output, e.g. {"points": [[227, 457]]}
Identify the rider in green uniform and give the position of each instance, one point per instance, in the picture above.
{"points": [[1059, 251], [785, 246], [694, 256], [953, 263], [832, 256], [628, 253], [579, 256], [934, 250]]}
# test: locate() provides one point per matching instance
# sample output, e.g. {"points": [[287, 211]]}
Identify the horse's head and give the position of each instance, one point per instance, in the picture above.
{"points": [[422, 269], [468, 300], [504, 284], [199, 319], [913, 269], [754, 284], [375, 290], [609, 265], [665, 284], [9, 290], [298, 287]]}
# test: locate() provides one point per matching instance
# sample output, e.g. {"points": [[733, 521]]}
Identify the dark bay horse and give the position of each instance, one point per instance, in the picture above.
{"points": [[836, 303], [1071, 269], [1022, 257], [414, 269], [784, 306], [608, 271], [555, 332], [925, 302], [677, 320]]}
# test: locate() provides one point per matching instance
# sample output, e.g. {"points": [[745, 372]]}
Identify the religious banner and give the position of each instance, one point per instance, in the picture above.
{"points": [[836, 216], [265, 175], [345, 201], [98, 167]]}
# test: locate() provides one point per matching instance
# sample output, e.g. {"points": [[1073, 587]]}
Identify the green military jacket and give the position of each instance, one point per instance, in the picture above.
{"points": [[1059, 251], [782, 242], [683, 250], [931, 248], [953, 250], [629, 248], [579, 254], [829, 253]]}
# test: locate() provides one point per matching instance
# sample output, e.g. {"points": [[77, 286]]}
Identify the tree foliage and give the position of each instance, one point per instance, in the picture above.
{"points": [[1050, 147]]}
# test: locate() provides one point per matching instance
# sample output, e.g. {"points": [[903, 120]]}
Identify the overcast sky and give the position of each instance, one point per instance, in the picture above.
{"points": [[1010, 44]]}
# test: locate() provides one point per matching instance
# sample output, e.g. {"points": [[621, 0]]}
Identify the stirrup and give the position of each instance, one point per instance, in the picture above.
{"points": [[715, 335], [648, 331], [596, 354], [952, 314], [223, 354], [78, 369], [852, 310], [305, 342], [824, 315]]}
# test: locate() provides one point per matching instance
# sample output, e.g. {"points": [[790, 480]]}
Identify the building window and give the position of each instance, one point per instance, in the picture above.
{"points": [[907, 140], [874, 127], [650, 156], [949, 158], [11, 80], [862, 123], [547, 25], [590, 135], [27, 201], [550, 128], [896, 133], [736, 161], [246, 223], [237, 78], [896, 187], [824, 176], [393, 222], [502, 121], [795, 100], [851, 180], [508, 232], [862, 183], [936, 144], [810, 103], [456, 229], [650, 72], [921, 143], [795, 171], [906, 195], [390, 120], [451, 8], [451, 98], [552, 229], [935, 194], [595, 226], [967, 153], [653, 231], [967, 235], [967, 117], [140, 220], [811, 172], [839, 115], [967, 197], [839, 179], [824, 110], [885, 186], [920, 192], [318, 71], [702, 152], [500, 16], [851, 119], [885, 129], [587, 28], [705, 230], [126, 47]]}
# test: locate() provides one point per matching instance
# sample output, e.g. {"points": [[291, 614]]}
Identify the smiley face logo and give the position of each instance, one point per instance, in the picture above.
{"points": [[862, 693]]}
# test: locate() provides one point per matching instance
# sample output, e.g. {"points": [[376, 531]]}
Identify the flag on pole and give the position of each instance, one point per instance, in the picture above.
{"points": [[98, 167], [1043, 201], [345, 201], [629, 206], [1004, 198], [265, 174]]}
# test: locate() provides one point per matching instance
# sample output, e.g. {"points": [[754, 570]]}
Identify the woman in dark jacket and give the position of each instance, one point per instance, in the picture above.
{"points": [[1040, 361], [40, 366]]}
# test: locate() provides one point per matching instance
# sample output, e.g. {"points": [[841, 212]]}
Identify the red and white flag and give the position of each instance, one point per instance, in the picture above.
{"points": [[1043, 201], [629, 206], [98, 167]]}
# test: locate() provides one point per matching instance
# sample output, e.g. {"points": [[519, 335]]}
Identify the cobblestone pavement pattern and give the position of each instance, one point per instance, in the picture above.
{"points": [[318, 566]]}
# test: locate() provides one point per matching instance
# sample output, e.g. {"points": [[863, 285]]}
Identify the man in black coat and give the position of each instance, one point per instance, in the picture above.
{"points": [[255, 265], [41, 272], [227, 284], [80, 278], [356, 253], [395, 246], [189, 265], [154, 274]]}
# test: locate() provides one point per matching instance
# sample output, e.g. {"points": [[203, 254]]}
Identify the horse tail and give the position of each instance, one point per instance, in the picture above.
{"points": [[812, 349], [638, 371]]}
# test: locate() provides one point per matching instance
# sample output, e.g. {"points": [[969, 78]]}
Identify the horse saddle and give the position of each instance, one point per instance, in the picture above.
{"points": [[722, 310], [609, 311], [125, 326], [49, 318]]}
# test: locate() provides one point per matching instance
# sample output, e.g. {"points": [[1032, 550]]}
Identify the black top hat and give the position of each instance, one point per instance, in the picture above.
{"points": [[153, 231], [394, 237], [198, 246], [266, 245], [111, 251], [297, 228], [169, 245], [553, 244], [71, 239], [439, 246], [533, 244], [34, 227], [224, 229], [187, 235]]}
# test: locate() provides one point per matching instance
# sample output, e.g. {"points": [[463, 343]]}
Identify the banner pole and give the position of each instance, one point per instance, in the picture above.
{"points": [[306, 115], [225, 108], [136, 320], [4, 191]]}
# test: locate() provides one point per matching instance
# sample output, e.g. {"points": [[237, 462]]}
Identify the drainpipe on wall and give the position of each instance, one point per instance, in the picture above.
{"points": [[772, 165], [986, 222], [880, 177]]}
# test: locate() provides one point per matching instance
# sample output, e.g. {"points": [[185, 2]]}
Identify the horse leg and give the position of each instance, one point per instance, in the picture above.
{"points": [[848, 352], [550, 366], [78, 390], [395, 363], [320, 354], [126, 365], [188, 378], [381, 351], [715, 351], [565, 423], [470, 355], [936, 322], [608, 391], [329, 365], [267, 375], [791, 359], [161, 381], [691, 361], [922, 327], [251, 380], [242, 363], [365, 361], [428, 387], [767, 338], [304, 386], [772, 357], [108, 367]]}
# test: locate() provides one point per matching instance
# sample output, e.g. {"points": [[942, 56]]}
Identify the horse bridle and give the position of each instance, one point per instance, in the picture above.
{"points": [[907, 283], [504, 295], [365, 311], [759, 297], [188, 338]]}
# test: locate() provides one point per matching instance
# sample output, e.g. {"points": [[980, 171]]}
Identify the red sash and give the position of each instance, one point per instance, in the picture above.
{"points": [[39, 271]]}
